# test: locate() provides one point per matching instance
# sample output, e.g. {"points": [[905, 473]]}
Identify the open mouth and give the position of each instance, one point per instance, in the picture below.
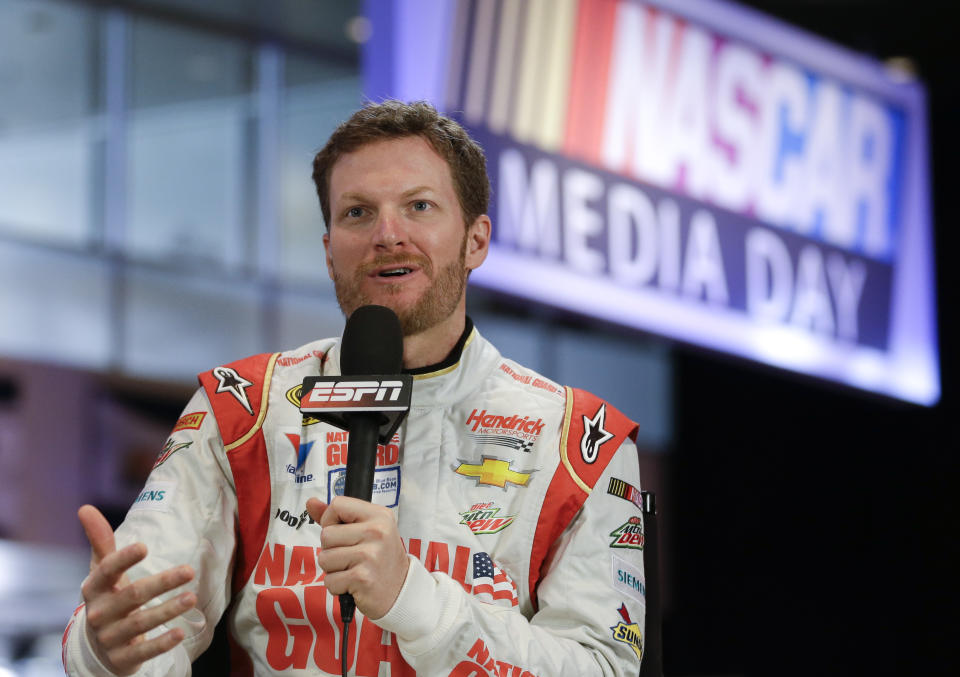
{"points": [[395, 272]]}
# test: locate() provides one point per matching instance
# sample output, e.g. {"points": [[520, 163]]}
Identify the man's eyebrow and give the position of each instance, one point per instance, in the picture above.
{"points": [[360, 197], [418, 189]]}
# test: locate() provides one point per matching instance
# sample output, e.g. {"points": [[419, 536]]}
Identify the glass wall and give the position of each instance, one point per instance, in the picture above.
{"points": [[49, 121], [155, 187]]}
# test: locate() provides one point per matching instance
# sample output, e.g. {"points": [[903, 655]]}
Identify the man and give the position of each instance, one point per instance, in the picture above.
{"points": [[504, 537]]}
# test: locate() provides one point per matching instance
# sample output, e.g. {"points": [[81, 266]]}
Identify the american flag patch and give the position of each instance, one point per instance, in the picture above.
{"points": [[490, 583], [618, 487]]}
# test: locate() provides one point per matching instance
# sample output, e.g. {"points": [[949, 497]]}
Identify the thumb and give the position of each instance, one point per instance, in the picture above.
{"points": [[98, 533], [316, 508]]}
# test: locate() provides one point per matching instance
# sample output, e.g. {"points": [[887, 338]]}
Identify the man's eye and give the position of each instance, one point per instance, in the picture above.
{"points": [[355, 212], [421, 205]]}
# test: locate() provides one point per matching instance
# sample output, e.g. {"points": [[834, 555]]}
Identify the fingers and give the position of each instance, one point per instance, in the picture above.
{"points": [[339, 535], [316, 508], [107, 608], [107, 574], [344, 510], [98, 533], [127, 659], [141, 622]]}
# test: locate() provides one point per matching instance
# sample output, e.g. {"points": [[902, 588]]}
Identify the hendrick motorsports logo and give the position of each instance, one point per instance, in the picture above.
{"points": [[482, 518], [514, 432]]}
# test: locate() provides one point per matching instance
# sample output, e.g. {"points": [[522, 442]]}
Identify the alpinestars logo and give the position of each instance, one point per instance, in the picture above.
{"points": [[594, 435], [233, 383]]}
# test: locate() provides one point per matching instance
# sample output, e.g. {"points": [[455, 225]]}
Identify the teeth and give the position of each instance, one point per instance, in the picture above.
{"points": [[394, 272]]}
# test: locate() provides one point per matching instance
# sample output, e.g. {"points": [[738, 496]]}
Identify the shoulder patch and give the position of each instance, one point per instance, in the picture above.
{"points": [[593, 430], [238, 395]]}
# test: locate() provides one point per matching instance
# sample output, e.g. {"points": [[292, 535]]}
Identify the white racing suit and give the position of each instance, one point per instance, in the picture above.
{"points": [[517, 501]]}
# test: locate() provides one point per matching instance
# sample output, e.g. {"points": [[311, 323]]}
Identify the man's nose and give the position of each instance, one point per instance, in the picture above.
{"points": [[390, 230]]}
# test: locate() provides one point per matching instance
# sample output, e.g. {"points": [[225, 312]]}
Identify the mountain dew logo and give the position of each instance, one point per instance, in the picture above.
{"points": [[482, 518], [628, 632], [628, 535]]}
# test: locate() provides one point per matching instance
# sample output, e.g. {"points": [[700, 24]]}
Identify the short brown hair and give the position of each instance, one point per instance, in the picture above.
{"points": [[395, 119]]}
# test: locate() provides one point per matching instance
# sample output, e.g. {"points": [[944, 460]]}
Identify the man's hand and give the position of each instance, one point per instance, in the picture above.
{"points": [[116, 623], [362, 552]]}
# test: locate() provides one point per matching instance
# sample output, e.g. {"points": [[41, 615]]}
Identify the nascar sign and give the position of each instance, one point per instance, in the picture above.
{"points": [[693, 169]]}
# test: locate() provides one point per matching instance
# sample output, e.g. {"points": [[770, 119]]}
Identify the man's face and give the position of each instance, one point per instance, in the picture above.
{"points": [[396, 234]]}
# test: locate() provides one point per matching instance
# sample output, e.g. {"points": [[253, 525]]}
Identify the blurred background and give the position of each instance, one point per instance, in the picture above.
{"points": [[157, 218]]}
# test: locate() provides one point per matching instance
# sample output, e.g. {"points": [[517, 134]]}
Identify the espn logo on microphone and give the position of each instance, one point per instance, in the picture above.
{"points": [[334, 393]]}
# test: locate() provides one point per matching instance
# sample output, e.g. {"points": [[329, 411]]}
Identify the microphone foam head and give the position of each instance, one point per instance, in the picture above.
{"points": [[372, 342]]}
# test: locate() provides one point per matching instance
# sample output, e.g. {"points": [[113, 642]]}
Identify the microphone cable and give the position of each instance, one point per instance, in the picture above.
{"points": [[346, 618]]}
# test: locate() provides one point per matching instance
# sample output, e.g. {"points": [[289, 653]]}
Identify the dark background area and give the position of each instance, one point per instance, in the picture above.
{"points": [[814, 529]]}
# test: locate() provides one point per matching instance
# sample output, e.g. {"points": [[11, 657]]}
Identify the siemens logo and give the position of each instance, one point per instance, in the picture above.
{"points": [[155, 496], [628, 579]]}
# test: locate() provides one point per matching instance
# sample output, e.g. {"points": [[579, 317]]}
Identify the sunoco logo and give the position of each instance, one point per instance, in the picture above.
{"points": [[628, 632]]}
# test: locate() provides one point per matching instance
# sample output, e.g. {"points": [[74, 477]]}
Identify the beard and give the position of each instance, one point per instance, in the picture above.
{"points": [[436, 304]]}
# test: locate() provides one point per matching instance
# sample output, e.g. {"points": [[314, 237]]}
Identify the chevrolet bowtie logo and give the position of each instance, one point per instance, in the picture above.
{"points": [[494, 472]]}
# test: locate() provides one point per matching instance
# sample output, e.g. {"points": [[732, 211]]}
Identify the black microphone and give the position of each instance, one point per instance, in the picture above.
{"points": [[372, 344]]}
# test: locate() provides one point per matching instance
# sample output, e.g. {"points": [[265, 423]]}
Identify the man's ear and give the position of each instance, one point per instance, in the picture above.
{"points": [[478, 241], [326, 249]]}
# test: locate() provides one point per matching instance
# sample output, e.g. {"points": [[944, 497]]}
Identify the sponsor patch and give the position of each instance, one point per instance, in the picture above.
{"points": [[594, 435], [296, 467], [338, 444], [170, 447], [233, 383], [523, 427], [293, 397], [628, 535], [502, 441], [626, 491], [189, 421], [155, 496], [530, 380], [386, 485], [482, 518], [292, 520], [494, 472], [628, 579], [297, 359], [628, 632]]}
